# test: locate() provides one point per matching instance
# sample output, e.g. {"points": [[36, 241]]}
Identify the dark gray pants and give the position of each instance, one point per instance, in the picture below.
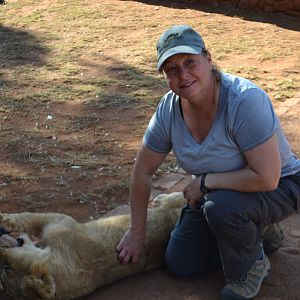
{"points": [[224, 230]]}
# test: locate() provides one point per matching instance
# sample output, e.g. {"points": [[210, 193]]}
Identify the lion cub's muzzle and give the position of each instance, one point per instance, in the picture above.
{"points": [[8, 241]]}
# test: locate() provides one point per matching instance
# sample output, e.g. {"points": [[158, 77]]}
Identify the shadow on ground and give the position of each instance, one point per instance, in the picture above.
{"points": [[20, 47], [228, 9]]}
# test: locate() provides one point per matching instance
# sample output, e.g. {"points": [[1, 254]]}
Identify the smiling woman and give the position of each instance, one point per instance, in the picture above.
{"points": [[188, 71], [223, 130], [176, 70]]}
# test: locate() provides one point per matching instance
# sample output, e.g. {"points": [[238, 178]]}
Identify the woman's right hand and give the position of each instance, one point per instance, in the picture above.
{"points": [[132, 243], [130, 247]]}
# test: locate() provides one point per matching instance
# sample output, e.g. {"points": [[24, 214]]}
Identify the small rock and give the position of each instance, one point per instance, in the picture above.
{"points": [[75, 167], [291, 250], [295, 233]]}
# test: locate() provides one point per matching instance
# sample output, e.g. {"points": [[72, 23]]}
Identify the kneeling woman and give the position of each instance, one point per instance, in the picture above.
{"points": [[223, 130]]}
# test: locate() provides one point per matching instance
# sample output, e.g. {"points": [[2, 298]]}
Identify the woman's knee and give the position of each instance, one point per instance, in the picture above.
{"points": [[186, 258], [182, 265], [176, 266], [221, 209]]}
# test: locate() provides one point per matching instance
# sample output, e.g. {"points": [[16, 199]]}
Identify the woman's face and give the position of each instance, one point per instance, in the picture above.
{"points": [[188, 75]]}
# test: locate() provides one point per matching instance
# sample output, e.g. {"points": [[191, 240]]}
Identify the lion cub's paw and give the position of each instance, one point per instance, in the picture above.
{"points": [[42, 285], [8, 222]]}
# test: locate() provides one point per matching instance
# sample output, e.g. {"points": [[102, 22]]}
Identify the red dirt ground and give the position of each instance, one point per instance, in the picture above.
{"points": [[76, 157]]}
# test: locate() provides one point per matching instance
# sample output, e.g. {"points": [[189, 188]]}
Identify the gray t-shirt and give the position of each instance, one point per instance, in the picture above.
{"points": [[244, 120]]}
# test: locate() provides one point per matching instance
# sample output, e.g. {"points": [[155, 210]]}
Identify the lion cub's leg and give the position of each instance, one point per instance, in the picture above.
{"points": [[31, 223], [41, 285]]}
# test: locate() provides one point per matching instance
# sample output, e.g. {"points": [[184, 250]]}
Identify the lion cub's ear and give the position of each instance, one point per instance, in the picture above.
{"points": [[41, 286]]}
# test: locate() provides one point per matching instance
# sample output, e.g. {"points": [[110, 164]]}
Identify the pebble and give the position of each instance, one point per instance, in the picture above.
{"points": [[295, 233], [291, 250]]}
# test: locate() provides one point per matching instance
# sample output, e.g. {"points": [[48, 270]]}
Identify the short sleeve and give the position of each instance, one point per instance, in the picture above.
{"points": [[157, 135], [255, 120]]}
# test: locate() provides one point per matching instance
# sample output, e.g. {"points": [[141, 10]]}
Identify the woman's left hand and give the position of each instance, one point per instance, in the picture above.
{"points": [[192, 192]]}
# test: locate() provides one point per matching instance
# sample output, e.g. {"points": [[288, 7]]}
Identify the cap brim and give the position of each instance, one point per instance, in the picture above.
{"points": [[190, 49]]}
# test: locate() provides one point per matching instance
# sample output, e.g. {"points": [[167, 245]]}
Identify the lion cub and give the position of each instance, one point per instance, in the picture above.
{"points": [[71, 259]]}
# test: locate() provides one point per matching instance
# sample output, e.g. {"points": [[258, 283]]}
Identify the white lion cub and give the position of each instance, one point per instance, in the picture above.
{"points": [[71, 259]]}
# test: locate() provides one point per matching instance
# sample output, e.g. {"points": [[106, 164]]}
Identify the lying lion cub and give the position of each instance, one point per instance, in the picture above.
{"points": [[72, 259]]}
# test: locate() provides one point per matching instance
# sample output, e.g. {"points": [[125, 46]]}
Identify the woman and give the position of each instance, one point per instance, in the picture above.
{"points": [[224, 131]]}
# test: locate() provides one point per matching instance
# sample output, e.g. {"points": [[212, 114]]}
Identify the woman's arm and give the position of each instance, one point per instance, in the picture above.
{"points": [[261, 174], [146, 164]]}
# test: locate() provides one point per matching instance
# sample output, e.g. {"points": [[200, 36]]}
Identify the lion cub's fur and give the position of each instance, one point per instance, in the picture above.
{"points": [[72, 259]]}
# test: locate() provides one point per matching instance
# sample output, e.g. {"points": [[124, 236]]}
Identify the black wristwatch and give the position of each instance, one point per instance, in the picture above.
{"points": [[203, 188]]}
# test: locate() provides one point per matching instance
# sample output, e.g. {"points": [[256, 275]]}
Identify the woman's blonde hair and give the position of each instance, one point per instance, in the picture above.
{"points": [[214, 68]]}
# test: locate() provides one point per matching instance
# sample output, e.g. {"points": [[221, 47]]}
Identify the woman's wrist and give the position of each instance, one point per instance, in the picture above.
{"points": [[203, 188]]}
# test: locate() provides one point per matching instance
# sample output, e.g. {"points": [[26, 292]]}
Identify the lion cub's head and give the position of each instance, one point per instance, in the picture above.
{"points": [[24, 280]]}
